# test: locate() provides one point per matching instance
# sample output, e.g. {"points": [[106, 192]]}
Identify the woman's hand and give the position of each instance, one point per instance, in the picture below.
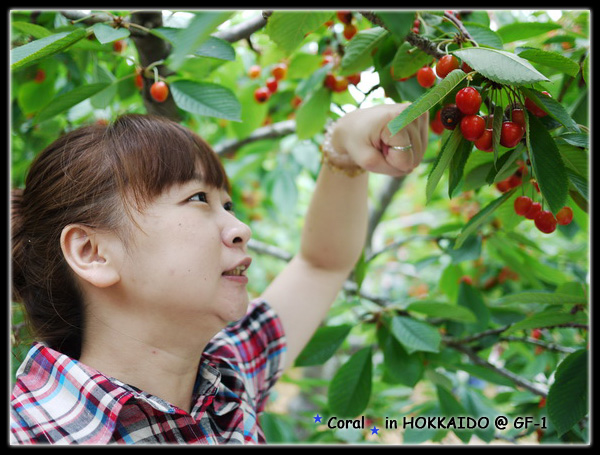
{"points": [[363, 135]]}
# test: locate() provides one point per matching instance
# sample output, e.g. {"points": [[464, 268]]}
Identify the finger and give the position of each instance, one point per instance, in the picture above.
{"points": [[400, 152]]}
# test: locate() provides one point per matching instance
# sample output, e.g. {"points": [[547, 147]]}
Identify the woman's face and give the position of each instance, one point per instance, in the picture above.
{"points": [[188, 238]]}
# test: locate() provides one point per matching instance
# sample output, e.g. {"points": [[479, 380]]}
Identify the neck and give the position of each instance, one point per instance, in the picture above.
{"points": [[157, 360]]}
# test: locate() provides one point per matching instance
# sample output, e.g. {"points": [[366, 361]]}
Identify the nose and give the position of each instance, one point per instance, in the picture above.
{"points": [[236, 233]]}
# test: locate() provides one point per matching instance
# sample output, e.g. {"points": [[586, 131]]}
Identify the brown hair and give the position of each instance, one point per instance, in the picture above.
{"points": [[93, 175]]}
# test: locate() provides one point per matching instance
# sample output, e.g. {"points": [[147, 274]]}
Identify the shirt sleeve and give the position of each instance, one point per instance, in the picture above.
{"points": [[255, 347]]}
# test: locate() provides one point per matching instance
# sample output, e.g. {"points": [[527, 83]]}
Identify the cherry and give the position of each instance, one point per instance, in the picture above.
{"points": [[522, 205], [262, 94], [564, 216], [511, 134], [466, 68], [450, 116], [518, 116], [533, 211], [279, 71], [349, 31], [426, 77], [534, 108], [296, 101], [436, 124], [472, 127], [341, 84], [468, 100], [159, 91], [329, 81], [545, 222], [484, 143], [345, 17], [119, 45], [354, 79], [272, 84], [254, 71], [139, 81], [445, 65], [40, 76]]}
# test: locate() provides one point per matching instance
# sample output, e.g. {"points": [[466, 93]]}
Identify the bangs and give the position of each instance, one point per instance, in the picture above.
{"points": [[153, 153]]}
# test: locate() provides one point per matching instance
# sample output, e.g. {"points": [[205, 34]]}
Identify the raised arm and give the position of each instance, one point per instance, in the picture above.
{"points": [[335, 227]]}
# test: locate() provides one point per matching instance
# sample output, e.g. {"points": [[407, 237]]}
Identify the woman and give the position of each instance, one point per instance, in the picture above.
{"points": [[130, 263]]}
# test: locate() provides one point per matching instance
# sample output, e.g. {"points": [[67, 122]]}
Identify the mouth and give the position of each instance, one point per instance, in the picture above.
{"points": [[240, 269]]}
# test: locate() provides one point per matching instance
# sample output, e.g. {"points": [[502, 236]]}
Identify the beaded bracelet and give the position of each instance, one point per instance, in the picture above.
{"points": [[337, 161]]}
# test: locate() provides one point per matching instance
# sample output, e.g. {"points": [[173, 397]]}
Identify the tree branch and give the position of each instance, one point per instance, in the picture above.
{"points": [[244, 29], [272, 131]]}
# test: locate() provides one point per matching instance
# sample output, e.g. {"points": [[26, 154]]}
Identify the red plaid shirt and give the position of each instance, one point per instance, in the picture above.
{"points": [[59, 400]]}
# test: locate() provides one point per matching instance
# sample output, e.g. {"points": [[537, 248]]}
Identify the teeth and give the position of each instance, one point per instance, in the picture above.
{"points": [[237, 271]]}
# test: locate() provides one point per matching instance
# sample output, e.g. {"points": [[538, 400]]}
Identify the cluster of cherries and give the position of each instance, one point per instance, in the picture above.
{"points": [[544, 219], [159, 90], [278, 72]]}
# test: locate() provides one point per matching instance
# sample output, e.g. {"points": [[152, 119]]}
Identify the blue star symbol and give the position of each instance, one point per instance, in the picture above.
{"points": [[317, 419], [374, 430]]}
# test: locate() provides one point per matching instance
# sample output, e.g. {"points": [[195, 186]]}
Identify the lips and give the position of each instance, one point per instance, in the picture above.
{"points": [[239, 269]]}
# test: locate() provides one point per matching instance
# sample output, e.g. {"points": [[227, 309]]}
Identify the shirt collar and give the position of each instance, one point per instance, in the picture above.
{"points": [[74, 384]]}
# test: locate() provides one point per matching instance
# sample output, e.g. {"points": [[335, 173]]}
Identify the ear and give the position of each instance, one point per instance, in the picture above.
{"points": [[90, 254]]}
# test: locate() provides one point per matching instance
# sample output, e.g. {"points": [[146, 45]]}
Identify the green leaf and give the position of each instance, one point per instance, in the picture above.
{"points": [[553, 107], [350, 389], [37, 31], [552, 60], [288, 29], [415, 335], [398, 23], [107, 34], [206, 98], [457, 164], [313, 113], [544, 297], [451, 408], [568, 395], [69, 99], [216, 48], [400, 368], [190, 38], [548, 166], [44, 47], [442, 161], [408, 60], [524, 30], [500, 66], [322, 345], [443, 311], [548, 318], [470, 297], [484, 35], [359, 50], [427, 100], [479, 218]]}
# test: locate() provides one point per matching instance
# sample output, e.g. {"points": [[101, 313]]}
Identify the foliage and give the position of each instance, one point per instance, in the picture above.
{"points": [[458, 306]]}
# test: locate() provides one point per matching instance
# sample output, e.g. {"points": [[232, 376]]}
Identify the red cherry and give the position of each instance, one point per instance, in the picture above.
{"points": [[564, 216], [139, 81], [518, 116], [119, 45], [254, 71], [522, 205], [445, 65], [345, 17], [472, 127], [511, 134], [40, 76], [545, 222], [436, 124], [159, 91], [466, 68], [484, 143], [349, 31], [468, 100], [354, 79], [329, 81], [279, 71], [426, 77], [534, 108], [341, 84], [504, 186], [262, 94], [533, 211], [272, 84]]}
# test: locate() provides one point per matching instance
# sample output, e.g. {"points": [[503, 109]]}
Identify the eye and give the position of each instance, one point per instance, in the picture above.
{"points": [[229, 206], [200, 197]]}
